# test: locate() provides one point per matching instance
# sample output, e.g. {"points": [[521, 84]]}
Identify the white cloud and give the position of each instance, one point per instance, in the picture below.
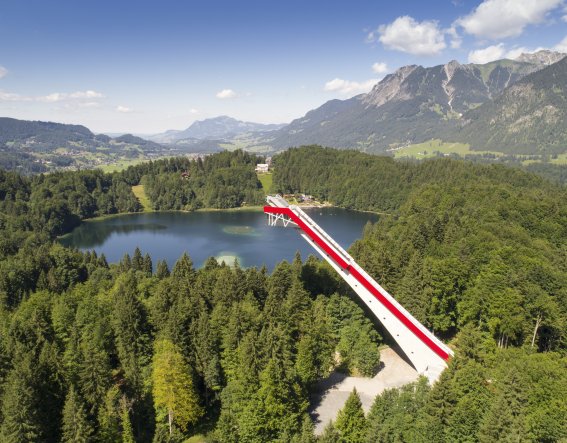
{"points": [[3, 71], [514, 53], [561, 46], [226, 93], [408, 35], [123, 109], [62, 96], [86, 94], [454, 36], [348, 87], [193, 111], [51, 98], [380, 68], [13, 97], [491, 53], [497, 19]]}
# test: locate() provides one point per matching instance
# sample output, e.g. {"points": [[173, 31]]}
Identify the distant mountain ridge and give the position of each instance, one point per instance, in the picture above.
{"points": [[36, 146], [411, 105], [529, 117], [222, 127]]}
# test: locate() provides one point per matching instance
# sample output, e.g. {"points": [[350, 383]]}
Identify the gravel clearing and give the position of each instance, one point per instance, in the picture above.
{"points": [[333, 391]]}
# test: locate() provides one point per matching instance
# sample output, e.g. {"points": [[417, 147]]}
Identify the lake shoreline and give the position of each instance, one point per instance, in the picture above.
{"points": [[255, 208], [240, 233]]}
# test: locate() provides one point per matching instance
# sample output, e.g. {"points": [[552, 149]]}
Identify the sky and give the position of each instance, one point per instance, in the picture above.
{"points": [[148, 66]]}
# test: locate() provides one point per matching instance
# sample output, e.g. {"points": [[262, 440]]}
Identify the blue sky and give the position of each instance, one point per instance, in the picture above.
{"points": [[147, 66]]}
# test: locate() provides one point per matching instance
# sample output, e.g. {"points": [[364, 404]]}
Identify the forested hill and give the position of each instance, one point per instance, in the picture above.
{"points": [[470, 248], [91, 351], [36, 146]]}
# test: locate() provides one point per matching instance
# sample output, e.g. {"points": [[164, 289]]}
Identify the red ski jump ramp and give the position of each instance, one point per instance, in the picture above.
{"points": [[426, 352]]}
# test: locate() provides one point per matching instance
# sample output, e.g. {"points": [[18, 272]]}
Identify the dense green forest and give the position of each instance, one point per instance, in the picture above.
{"points": [[221, 181], [134, 351]]}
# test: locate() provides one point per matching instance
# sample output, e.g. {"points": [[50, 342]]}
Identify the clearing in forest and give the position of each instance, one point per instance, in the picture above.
{"points": [[142, 197]]}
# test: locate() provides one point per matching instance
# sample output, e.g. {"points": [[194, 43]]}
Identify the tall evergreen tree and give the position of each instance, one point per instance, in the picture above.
{"points": [[183, 270], [137, 260], [131, 331], [127, 431], [147, 267], [19, 409], [351, 422], [162, 269], [173, 388], [330, 434], [76, 426]]}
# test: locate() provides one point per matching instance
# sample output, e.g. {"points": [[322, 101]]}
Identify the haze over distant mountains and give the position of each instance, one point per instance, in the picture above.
{"points": [[510, 106], [222, 127]]}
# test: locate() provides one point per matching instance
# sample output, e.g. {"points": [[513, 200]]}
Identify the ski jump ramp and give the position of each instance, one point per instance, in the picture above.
{"points": [[426, 352]]}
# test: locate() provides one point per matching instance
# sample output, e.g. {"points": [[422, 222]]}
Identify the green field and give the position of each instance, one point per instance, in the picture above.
{"points": [[266, 180], [120, 165], [142, 197], [560, 160], [428, 150]]}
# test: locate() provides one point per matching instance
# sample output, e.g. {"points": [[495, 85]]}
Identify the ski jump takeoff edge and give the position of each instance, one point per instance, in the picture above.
{"points": [[426, 352]]}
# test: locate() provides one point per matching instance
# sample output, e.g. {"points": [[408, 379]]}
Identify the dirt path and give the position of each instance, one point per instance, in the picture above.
{"points": [[335, 389]]}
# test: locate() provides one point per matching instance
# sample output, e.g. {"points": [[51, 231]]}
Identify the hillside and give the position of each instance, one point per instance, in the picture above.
{"points": [[36, 146], [411, 105], [528, 117], [222, 127], [475, 252]]}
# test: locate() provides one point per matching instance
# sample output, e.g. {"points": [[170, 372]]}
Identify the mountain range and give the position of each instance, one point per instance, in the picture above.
{"points": [[35, 146], [453, 102], [509, 106], [217, 128]]}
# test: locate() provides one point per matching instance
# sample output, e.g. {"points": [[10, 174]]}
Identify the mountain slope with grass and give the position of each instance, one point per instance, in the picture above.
{"points": [[528, 117]]}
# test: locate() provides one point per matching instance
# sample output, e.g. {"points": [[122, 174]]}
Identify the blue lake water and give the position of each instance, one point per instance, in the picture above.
{"points": [[226, 235]]}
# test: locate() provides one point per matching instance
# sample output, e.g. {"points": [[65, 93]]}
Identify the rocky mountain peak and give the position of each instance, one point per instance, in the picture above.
{"points": [[543, 57], [389, 87], [450, 69]]}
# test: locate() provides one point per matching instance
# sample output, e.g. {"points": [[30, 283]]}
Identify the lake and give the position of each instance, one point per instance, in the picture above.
{"points": [[225, 235]]}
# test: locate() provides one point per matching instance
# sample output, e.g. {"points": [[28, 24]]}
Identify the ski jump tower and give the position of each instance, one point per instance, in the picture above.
{"points": [[426, 352]]}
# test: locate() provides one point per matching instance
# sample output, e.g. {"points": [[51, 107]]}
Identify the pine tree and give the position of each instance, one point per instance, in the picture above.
{"points": [[330, 434], [351, 422], [19, 413], [172, 386], [147, 267], [306, 435], [94, 372], [76, 426], [110, 416], [137, 260], [183, 270], [306, 363], [127, 431], [102, 261], [504, 420], [125, 263], [131, 331], [162, 269]]}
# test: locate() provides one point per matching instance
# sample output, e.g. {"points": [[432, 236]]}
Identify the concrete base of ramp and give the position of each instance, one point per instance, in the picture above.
{"points": [[332, 392]]}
